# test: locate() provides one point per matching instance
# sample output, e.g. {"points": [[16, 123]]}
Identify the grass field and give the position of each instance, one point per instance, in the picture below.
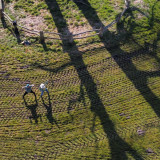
{"points": [[104, 99]]}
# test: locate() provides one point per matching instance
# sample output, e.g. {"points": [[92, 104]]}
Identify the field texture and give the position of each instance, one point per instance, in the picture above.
{"points": [[104, 98]]}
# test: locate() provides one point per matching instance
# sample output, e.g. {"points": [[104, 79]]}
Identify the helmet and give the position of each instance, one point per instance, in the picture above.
{"points": [[27, 85]]}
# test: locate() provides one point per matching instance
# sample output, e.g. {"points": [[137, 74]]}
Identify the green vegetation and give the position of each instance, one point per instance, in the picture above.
{"points": [[104, 92], [106, 10]]}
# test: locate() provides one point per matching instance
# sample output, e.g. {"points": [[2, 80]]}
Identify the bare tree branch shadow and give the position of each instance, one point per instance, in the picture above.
{"points": [[54, 70], [69, 108], [93, 132], [72, 101], [151, 18], [140, 11]]}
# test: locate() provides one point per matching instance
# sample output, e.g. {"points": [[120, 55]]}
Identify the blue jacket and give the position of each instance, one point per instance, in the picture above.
{"points": [[28, 88]]}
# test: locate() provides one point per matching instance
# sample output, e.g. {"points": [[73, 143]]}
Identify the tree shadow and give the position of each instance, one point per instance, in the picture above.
{"points": [[33, 108], [128, 66], [69, 108], [118, 146], [48, 107], [152, 18], [54, 70], [139, 10], [124, 60], [140, 78], [72, 101]]}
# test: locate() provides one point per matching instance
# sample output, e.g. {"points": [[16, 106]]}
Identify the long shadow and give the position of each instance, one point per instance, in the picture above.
{"points": [[33, 108], [48, 107], [124, 60], [117, 145]]}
